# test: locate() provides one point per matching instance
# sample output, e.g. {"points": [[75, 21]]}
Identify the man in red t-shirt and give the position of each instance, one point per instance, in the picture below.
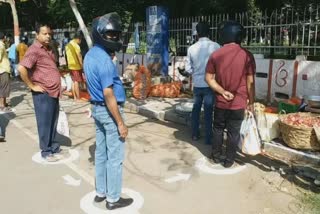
{"points": [[230, 73]]}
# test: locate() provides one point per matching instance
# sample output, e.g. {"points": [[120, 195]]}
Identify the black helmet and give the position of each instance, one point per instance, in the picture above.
{"points": [[202, 29], [24, 39], [231, 31], [102, 25]]}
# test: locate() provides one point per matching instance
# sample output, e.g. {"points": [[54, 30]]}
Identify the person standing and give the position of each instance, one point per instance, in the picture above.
{"points": [[22, 47], [4, 76], [65, 41], [74, 61], [107, 99], [12, 56], [39, 71], [197, 59], [230, 73]]}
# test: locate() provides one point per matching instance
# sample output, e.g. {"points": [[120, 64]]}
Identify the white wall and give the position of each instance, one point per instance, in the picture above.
{"points": [[282, 78]]}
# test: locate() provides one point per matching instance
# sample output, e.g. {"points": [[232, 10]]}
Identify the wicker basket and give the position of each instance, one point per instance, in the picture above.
{"points": [[299, 137]]}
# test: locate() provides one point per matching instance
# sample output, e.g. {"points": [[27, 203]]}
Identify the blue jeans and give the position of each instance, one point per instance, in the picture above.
{"points": [[109, 154], [205, 96], [47, 112]]}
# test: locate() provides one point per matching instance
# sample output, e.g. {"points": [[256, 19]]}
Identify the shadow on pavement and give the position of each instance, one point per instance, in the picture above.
{"points": [[17, 100], [4, 121], [63, 140], [302, 176]]}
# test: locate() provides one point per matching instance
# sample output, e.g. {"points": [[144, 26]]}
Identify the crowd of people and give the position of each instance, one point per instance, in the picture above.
{"points": [[68, 60], [223, 82]]}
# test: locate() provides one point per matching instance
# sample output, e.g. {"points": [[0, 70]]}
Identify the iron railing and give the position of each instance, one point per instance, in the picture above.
{"points": [[284, 32]]}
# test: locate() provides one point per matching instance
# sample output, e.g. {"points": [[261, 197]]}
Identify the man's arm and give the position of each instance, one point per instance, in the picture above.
{"points": [[112, 105], [80, 59], [25, 77], [187, 70], [79, 56], [251, 81], [251, 88], [215, 86]]}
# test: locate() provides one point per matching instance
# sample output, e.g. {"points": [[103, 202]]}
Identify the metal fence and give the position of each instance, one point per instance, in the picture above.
{"points": [[285, 32]]}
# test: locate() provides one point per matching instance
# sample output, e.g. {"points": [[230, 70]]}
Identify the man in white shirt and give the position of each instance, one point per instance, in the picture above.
{"points": [[197, 58]]}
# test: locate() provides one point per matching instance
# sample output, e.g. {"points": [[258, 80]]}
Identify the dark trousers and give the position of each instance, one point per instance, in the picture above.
{"points": [[230, 120], [47, 113]]}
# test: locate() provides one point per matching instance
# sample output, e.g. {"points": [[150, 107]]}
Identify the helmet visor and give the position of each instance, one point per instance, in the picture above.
{"points": [[112, 35]]}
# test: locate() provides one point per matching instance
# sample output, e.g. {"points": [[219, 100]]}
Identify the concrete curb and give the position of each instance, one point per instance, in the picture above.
{"points": [[287, 154], [162, 113]]}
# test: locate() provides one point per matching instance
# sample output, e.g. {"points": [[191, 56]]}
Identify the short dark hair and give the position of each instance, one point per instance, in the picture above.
{"points": [[1, 36], [202, 29], [40, 25], [66, 34], [78, 35]]}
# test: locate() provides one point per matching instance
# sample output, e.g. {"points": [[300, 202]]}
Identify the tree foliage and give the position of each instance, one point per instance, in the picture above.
{"points": [[59, 13]]}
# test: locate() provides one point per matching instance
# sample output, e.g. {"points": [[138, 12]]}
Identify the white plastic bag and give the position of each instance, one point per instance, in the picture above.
{"points": [[268, 125], [250, 141], [63, 126]]}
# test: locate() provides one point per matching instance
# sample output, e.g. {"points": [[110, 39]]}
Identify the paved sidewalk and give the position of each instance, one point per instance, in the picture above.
{"points": [[164, 170], [31, 188], [165, 109]]}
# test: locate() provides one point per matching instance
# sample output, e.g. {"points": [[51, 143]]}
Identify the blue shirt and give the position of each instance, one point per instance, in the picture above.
{"points": [[197, 58], [102, 73], [12, 52]]}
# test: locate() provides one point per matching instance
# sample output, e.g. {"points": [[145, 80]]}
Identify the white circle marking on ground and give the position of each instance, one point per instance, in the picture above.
{"points": [[87, 204], [74, 154], [12, 111], [205, 166]]}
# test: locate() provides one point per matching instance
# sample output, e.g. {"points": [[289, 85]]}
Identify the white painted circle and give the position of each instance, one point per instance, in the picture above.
{"points": [[12, 111], [74, 155], [87, 204], [205, 166]]}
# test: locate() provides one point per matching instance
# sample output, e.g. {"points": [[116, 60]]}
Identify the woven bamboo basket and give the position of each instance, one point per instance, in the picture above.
{"points": [[299, 137]]}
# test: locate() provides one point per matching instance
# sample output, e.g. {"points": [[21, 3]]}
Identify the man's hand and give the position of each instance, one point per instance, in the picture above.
{"points": [[250, 108], [123, 131], [227, 95], [37, 88], [183, 72]]}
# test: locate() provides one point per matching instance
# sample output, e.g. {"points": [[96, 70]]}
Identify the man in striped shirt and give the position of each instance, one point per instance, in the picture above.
{"points": [[39, 71]]}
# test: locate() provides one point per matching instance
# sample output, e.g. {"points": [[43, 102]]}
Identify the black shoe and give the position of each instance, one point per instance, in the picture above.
{"points": [[216, 158], [99, 199], [122, 202], [228, 163], [195, 138]]}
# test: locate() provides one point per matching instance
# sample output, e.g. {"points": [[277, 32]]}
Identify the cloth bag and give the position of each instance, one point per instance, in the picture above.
{"points": [[250, 142], [63, 126]]}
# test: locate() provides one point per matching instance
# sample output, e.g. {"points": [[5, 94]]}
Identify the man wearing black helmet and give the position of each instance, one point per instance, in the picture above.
{"points": [[230, 73], [107, 99]]}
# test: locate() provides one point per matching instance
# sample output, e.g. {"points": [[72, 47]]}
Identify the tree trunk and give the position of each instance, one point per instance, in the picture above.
{"points": [[83, 27], [15, 20]]}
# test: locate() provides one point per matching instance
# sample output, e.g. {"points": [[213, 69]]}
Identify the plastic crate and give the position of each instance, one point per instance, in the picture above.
{"points": [[286, 108]]}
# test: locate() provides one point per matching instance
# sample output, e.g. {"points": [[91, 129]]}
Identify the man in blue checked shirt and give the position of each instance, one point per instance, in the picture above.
{"points": [[197, 58]]}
